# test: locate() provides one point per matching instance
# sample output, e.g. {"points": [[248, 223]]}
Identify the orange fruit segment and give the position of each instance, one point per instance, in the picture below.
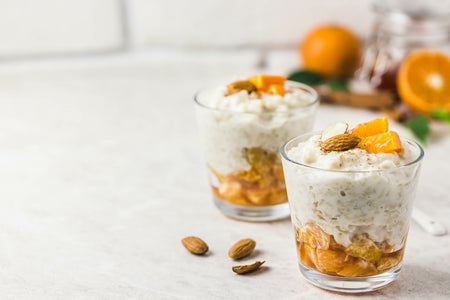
{"points": [[387, 142], [423, 81], [373, 127], [313, 235], [331, 50], [264, 82], [277, 89]]}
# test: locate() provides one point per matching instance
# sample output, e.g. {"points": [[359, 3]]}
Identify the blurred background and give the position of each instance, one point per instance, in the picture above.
{"points": [[224, 39], [51, 28]]}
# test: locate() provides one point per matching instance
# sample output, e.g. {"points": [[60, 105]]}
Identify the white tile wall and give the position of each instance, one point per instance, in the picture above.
{"points": [[282, 61], [46, 27], [30, 28], [234, 23]]}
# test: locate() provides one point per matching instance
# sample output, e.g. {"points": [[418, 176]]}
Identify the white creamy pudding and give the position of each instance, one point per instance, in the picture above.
{"points": [[242, 132], [355, 192]]}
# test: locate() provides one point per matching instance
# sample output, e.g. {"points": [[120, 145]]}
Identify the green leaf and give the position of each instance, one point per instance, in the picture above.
{"points": [[337, 85], [306, 77], [441, 114], [420, 127]]}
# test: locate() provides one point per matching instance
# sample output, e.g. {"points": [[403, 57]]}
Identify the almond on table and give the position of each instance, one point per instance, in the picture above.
{"points": [[195, 245], [242, 248]]}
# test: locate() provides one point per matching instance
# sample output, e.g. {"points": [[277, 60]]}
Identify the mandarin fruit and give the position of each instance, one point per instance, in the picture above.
{"points": [[331, 50]]}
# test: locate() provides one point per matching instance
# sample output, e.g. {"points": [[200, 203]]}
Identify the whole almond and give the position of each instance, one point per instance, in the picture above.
{"points": [[242, 248], [244, 269], [195, 245], [340, 142], [240, 85]]}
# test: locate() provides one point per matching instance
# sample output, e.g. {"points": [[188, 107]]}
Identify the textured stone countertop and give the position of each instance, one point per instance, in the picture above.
{"points": [[102, 175]]}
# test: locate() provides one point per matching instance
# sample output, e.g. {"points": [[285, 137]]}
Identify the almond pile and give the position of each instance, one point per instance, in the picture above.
{"points": [[239, 250]]}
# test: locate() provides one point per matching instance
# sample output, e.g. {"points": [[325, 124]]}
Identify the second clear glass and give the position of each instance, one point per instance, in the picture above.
{"points": [[242, 155]]}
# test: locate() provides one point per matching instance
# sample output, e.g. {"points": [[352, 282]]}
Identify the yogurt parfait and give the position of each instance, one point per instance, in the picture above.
{"points": [[351, 194], [243, 125]]}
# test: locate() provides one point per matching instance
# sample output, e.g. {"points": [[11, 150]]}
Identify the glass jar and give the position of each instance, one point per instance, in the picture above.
{"points": [[400, 27]]}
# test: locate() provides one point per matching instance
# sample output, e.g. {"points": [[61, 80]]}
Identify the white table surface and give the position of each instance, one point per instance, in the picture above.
{"points": [[102, 176]]}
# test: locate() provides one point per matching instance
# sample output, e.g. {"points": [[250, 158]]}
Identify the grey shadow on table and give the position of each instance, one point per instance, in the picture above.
{"points": [[416, 282], [420, 280]]}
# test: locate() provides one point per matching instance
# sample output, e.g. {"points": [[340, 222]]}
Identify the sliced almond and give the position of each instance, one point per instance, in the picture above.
{"points": [[244, 269], [195, 245], [242, 248], [334, 129], [340, 142]]}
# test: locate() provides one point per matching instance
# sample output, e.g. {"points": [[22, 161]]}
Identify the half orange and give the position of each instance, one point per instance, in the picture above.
{"points": [[423, 80]]}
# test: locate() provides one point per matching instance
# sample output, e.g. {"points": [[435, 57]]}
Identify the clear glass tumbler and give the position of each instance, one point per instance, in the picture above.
{"points": [[350, 226], [242, 155]]}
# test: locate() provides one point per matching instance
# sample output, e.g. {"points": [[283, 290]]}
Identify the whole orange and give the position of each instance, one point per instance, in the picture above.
{"points": [[331, 50]]}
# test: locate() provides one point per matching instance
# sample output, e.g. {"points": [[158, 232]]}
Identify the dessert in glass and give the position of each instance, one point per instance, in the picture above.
{"points": [[351, 194], [242, 126]]}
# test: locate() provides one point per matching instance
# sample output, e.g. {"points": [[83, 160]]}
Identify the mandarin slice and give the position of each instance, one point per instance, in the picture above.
{"points": [[363, 247], [277, 196], [335, 246], [251, 175], [277, 89], [235, 199], [278, 172], [262, 185], [230, 188], [357, 268], [373, 127], [257, 196], [330, 261], [313, 235], [308, 255], [387, 142], [388, 262], [263, 82]]}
